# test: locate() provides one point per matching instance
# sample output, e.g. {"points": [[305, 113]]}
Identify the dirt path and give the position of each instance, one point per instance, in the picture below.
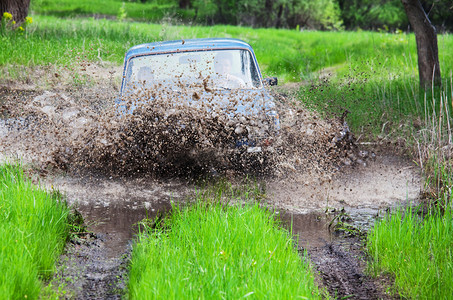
{"points": [[361, 193], [94, 266], [341, 268], [383, 181], [89, 271]]}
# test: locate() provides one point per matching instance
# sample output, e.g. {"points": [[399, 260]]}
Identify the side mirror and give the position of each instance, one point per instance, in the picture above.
{"points": [[271, 81]]}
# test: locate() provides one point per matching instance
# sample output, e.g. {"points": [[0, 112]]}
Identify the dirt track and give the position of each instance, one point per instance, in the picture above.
{"points": [[305, 186], [112, 207]]}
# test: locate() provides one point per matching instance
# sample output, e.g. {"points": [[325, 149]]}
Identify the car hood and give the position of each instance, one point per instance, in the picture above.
{"points": [[229, 102]]}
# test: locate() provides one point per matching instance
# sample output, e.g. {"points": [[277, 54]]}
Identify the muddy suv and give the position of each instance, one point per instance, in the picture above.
{"points": [[217, 77]]}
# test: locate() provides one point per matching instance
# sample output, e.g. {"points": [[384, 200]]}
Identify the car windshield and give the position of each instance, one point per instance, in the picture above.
{"points": [[210, 69]]}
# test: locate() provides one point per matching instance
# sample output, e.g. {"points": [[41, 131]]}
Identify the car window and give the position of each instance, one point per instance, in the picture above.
{"points": [[230, 69]]}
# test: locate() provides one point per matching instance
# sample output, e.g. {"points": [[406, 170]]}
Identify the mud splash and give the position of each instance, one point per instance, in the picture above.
{"points": [[79, 131]]}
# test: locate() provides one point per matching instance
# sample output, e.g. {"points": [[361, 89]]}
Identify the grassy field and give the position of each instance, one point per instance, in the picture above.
{"points": [[211, 250], [149, 11], [33, 232], [416, 251], [291, 54]]}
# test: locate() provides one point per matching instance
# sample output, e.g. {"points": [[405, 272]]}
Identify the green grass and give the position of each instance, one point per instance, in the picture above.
{"points": [[381, 90], [33, 232], [417, 252], [149, 11], [214, 251]]}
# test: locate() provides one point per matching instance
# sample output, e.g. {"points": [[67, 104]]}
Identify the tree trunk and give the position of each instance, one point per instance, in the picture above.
{"points": [[18, 8], [426, 38], [279, 16], [184, 4], [268, 7]]}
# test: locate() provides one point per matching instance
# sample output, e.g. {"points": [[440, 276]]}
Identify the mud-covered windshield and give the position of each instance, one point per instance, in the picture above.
{"points": [[212, 69]]}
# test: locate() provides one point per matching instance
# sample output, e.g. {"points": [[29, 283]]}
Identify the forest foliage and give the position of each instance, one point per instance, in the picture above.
{"points": [[382, 15]]}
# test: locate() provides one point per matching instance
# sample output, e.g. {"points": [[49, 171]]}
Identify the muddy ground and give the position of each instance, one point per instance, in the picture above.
{"points": [[95, 265], [320, 173]]}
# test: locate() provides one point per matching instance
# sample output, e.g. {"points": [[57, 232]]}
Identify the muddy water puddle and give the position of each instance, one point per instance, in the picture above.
{"points": [[318, 229], [112, 208], [96, 265], [118, 222]]}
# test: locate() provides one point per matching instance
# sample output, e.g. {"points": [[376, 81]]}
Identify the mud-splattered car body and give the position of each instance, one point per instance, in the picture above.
{"points": [[218, 76]]}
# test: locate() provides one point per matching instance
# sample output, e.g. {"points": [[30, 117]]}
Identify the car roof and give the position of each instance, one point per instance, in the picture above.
{"points": [[187, 45]]}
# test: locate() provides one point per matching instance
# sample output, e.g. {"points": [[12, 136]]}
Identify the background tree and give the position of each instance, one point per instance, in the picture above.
{"points": [[440, 12], [311, 14], [185, 4], [426, 38], [18, 8]]}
